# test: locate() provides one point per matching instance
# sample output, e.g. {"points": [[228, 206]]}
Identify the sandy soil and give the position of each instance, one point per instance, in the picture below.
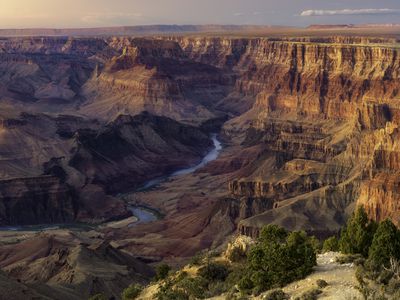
{"points": [[122, 223], [340, 278]]}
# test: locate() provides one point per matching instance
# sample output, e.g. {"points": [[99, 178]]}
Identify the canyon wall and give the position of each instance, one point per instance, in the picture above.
{"points": [[131, 150], [323, 113], [327, 111], [36, 200]]}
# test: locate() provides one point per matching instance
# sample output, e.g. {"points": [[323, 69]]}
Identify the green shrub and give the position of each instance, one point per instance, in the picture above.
{"points": [[167, 292], [367, 292], [237, 254], [172, 295], [276, 295], [356, 236], [162, 271], [245, 284], [132, 292], [182, 275], [197, 259], [385, 277], [393, 286], [213, 271], [348, 259], [278, 261], [236, 273], [193, 287], [385, 244], [359, 261], [331, 244], [273, 233], [316, 244], [98, 297], [321, 283], [216, 288], [213, 253], [360, 275]]}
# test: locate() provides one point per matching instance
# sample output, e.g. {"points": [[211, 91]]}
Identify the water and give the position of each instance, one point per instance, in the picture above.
{"points": [[45, 227], [212, 155], [146, 216]]}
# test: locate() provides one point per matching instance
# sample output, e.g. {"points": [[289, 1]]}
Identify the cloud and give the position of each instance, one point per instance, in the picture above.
{"points": [[110, 18], [254, 13], [364, 11]]}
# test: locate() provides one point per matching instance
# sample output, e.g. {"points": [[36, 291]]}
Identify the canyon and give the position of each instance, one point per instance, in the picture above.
{"points": [[309, 127]]}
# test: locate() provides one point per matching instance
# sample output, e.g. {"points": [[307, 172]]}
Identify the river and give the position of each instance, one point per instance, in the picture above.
{"points": [[212, 155], [145, 215]]}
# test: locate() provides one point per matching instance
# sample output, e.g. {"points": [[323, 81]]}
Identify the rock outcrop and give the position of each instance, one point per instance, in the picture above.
{"points": [[36, 200], [131, 150], [76, 268], [158, 77], [319, 110], [314, 118]]}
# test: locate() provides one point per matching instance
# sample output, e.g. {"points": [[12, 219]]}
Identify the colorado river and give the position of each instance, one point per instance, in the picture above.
{"points": [[46, 227], [145, 215], [212, 155]]}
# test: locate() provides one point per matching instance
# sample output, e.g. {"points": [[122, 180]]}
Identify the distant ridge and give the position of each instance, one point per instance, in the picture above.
{"points": [[131, 30], [331, 26], [351, 26]]}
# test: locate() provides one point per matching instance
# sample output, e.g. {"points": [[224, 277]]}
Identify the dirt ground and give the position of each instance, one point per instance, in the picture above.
{"points": [[340, 278]]}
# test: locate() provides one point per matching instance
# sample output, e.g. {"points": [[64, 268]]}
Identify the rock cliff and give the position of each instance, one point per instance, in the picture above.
{"points": [[64, 168], [314, 118], [320, 108], [158, 77], [131, 150], [36, 200]]}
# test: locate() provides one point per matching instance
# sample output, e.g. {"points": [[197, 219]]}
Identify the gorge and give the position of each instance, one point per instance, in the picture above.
{"points": [[309, 124]]}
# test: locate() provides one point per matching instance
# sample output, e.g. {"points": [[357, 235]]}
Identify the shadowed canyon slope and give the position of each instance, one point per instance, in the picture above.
{"points": [[76, 267], [312, 130], [53, 172], [320, 113]]}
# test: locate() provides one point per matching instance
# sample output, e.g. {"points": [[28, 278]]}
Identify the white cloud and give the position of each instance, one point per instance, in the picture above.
{"points": [[364, 11], [238, 14]]}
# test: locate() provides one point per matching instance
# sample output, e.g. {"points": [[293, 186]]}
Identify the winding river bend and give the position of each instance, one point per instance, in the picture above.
{"points": [[212, 155], [145, 215]]}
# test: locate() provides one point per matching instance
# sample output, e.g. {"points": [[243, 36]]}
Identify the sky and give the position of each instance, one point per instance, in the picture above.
{"points": [[97, 13]]}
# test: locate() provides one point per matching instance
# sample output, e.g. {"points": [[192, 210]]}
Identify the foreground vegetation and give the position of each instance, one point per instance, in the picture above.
{"points": [[375, 249], [276, 259], [279, 257]]}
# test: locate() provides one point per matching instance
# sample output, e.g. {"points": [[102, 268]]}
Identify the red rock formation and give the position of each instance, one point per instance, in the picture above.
{"points": [[322, 104], [322, 112]]}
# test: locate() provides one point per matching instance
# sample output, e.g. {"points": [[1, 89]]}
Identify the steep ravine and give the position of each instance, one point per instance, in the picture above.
{"points": [[98, 161], [314, 120], [312, 129]]}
